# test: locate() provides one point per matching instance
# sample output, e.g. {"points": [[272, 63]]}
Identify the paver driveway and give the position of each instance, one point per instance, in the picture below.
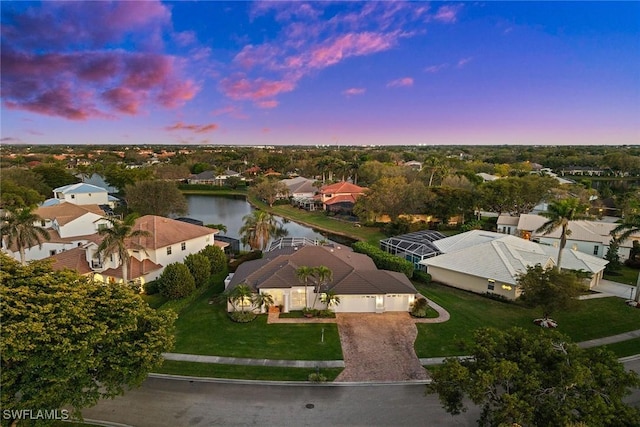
{"points": [[379, 347]]}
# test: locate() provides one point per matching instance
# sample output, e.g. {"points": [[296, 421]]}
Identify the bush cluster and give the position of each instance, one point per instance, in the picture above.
{"points": [[176, 281], [242, 316], [199, 267], [422, 277], [384, 260], [420, 307], [217, 258]]}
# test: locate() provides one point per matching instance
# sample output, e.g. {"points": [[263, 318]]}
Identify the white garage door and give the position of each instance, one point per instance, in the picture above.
{"points": [[356, 304], [396, 302]]}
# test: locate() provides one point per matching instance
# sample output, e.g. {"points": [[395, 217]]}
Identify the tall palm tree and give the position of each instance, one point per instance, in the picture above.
{"points": [[241, 294], [303, 274], [323, 276], [560, 213], [259, 226], [19, 226], [629, 227], [116, 239]]}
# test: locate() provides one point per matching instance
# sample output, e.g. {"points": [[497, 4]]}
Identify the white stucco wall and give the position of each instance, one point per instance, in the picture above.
{"points": [[82, 226], [47, 249], [160, 256], [97, 198], [471, 283]]}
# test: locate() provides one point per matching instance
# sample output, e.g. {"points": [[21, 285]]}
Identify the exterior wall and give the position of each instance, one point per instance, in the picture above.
{"points": [[587, 247], [82, 226], [48, 248], [160, 256], [97, 198], [508, 229], [471, 283]]}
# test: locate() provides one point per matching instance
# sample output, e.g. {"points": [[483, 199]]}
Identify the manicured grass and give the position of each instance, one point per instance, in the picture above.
{"points": [[155, 300], [204, 328], [588, 320], [320, 220], [625, 348], [265, 373], [626, 275]]}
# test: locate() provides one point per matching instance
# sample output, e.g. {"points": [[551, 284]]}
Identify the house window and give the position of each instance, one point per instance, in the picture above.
{"points": [[491, 284], [595, 250], [73, 196], [168, 250], [102, 226], [43, 223], [52, 253], [183, 246], [297, 298]]}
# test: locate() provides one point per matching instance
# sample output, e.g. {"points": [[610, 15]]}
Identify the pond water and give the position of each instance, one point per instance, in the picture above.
{"points": [[230, 211]]}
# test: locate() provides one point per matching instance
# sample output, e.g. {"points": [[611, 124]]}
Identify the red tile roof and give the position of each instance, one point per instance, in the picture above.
{"points": [[73, 259], [136, 269], [342, 187], [66, 212], [343, 198], [166, 232]]}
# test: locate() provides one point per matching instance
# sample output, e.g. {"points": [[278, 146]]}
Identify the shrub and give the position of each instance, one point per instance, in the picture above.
{"points": [[384, 260], [242, 316], [200, 268], [317, 377], [419, 307], [176, 281], [216, 257], [152, 287], [249, 256], [422, 277]]}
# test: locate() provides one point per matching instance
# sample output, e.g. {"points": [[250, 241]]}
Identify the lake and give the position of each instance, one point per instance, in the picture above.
{"points": [[230, 211]]}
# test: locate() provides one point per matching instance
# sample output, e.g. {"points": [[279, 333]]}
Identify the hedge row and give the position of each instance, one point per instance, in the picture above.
{"points": [[384, 260]]}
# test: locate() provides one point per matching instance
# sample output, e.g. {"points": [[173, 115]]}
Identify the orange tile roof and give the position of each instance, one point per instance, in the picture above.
{"points": [[342, 198], [166, 232], [136, 269], [66, 212], [342, 187], [73, 259]]}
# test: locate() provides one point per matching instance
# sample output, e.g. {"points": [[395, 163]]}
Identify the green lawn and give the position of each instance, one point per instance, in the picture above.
{"points": [[265, 373], [204, 328], [625, 348], [626, 275], [155, 300], [590, 319]]}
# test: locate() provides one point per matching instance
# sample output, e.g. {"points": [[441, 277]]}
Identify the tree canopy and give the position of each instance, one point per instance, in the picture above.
{"points": [[537, 379], [156, 197], [69, 341]]}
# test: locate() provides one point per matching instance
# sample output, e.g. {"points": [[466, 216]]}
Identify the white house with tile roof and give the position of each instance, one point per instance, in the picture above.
{"points": [[82, 194], [486, 262], [358, 283], [590, 237]]}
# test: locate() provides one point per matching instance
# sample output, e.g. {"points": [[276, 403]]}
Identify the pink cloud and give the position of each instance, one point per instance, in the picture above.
{"points": [[354, 91], [267, 103], [464, 61], [231, 110], [194, 128], [448, 14], [436, 68], [350, 45], [241, 88], [62, 68], [403, 82]]}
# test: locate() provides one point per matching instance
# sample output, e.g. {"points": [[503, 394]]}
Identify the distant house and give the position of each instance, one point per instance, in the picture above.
{"points": [[590, 237], [486, 262], [301, 187], [360, 286], [211, 177], [82, 194], [340, 197], [413, 164], [487, 177]]}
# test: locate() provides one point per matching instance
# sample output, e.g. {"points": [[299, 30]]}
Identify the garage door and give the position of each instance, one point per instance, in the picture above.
{"points": [[396, 302], [356, 304]]}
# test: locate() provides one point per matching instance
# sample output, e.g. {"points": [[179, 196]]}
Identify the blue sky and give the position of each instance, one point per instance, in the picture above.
{"points": [[333, 73]]}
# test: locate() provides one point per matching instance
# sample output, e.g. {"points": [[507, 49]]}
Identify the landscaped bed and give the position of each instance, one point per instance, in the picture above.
{"points": [[625, 348], [590, 319]]}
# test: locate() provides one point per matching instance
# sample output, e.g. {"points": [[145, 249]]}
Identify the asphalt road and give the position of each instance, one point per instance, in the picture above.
{"points": [[166, 402]]}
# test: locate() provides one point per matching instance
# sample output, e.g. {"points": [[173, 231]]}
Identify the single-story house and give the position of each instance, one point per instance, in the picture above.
{"points": [[358, 283], [486, 262]]}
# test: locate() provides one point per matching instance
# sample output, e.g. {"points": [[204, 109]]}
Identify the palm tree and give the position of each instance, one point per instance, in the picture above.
{"points": [[259, 300], [560, 213], [117, 236], [330, 298], [323, 276], [19, 225], [629, 227], [303, 274], [259, 226], [241, 294]]}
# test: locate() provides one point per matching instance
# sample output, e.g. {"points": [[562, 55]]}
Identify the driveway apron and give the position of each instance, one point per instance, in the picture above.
{"points": [[379, 347]]}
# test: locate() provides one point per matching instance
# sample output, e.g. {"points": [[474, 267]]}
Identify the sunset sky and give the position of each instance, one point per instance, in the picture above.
{"points": [[331, 73]]}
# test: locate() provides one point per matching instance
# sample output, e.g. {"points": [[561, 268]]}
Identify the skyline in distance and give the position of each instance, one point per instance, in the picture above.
{"points": [[321, 73]]}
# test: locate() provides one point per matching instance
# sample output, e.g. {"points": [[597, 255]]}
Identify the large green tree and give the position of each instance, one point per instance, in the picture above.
{"points": [[269, 191], [258, 228], [156, 197], [559, 214], [67, 341], [116, 238], [537, 379], [628, 227], [19, 228], [549, 288], [55, 175]]}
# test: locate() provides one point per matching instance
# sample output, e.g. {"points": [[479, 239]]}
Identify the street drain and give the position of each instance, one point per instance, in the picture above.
{"points": [[310, 405]]}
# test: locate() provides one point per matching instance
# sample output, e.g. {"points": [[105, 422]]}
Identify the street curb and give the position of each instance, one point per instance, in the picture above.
{"points": [[289, 383], [100, 423]]}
